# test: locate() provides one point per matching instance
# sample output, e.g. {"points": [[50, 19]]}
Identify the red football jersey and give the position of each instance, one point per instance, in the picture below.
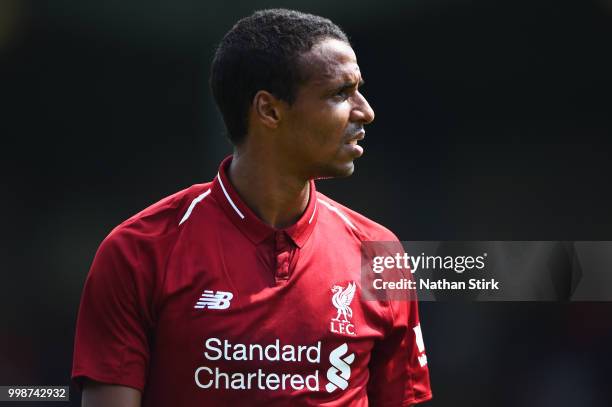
{"points": [[195, 301]]}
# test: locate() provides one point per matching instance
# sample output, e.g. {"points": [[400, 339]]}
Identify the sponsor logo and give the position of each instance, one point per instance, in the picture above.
{"points": [[341, 299], [214, 300], [218, 377], [214, 374], [340, 371]]}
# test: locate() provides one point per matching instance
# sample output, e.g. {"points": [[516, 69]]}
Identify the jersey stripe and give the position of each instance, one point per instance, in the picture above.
{"points": [[337, 211], [228, 197], [313, 214], [192, 205]]}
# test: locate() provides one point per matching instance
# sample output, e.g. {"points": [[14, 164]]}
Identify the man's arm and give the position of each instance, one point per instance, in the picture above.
{"points": [[96, 394], [398, 365], [111, 341]]}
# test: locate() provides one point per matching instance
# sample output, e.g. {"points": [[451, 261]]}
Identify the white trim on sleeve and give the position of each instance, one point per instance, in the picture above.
{"points": [[337, 212], [192, 205]]}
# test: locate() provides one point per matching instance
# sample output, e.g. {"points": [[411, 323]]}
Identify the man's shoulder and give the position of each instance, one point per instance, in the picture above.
{"points": [[364, 227], [164, 216]]}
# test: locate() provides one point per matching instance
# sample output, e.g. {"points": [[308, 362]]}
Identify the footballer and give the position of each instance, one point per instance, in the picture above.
{"points": [[246, 290]]}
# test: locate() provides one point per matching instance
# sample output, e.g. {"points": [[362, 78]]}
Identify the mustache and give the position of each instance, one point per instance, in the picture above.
{"points": [[353, 131]]}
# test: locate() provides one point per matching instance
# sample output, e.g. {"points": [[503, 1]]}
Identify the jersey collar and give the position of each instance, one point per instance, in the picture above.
{"points": [[245, 220]]}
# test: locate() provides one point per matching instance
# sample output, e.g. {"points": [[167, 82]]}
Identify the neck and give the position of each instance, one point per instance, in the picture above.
{"points": [[277, 197]]}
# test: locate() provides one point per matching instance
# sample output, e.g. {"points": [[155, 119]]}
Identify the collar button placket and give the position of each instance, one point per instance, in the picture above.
{"points": [[283, 254]]}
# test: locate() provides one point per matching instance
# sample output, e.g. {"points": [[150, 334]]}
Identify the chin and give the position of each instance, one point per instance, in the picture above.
{"points": [[337, 171]]}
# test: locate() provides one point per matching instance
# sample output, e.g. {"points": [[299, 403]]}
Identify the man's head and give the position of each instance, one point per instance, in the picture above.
{"points": [[294, 77]]}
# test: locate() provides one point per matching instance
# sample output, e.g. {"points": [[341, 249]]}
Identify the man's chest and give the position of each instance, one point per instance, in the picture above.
{"points": [[226, 322]]}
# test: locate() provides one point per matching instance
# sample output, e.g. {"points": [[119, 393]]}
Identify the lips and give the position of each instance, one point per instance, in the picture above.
{"points": [[356, 149], [357, 137]]}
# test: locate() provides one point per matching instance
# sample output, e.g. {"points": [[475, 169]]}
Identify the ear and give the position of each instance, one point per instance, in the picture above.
{"points": [[267, 109]]}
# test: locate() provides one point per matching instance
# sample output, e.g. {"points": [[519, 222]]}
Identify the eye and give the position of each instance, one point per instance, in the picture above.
{"points": [[343, 94]]}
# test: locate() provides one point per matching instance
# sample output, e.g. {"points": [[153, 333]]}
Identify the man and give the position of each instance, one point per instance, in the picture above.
{"points": [[246, 290]]}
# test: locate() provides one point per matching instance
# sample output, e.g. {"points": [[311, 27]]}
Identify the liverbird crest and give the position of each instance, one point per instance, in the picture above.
{"points": [[342, 301]]}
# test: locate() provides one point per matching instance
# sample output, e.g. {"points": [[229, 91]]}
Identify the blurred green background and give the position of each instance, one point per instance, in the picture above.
{"points": [[493, 122]]}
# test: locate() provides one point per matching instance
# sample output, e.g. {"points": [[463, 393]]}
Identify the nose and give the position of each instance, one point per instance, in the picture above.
{"points": [[362, 111]]}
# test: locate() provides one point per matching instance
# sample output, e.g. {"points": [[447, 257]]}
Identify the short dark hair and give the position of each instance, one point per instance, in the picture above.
{"points": [[261, 52]]}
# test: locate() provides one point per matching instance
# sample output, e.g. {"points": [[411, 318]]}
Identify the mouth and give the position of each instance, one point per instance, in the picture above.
{"points": [[357, 137], [355, 149]]}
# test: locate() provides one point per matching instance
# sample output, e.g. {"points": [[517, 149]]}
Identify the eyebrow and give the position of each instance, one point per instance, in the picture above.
{"points": [[349, 85]]}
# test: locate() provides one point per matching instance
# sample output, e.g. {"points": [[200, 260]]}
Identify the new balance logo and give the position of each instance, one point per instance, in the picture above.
{"points": [[340, 370], [214, 300]]}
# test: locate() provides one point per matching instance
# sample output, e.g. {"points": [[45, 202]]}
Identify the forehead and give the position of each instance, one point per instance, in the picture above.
{"points": [[330, 61]]}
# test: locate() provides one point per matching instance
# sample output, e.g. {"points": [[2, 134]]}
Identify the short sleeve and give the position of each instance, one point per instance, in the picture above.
{"points": [[111, 342], [398, 367]]}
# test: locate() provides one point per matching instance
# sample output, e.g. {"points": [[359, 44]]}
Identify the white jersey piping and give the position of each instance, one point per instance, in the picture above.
{"points": [[313, 214], [228, 197], [338, 212], [192, 205]]}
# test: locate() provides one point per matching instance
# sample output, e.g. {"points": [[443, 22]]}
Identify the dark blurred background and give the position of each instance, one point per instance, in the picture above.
{"points": [[492, 123]]}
